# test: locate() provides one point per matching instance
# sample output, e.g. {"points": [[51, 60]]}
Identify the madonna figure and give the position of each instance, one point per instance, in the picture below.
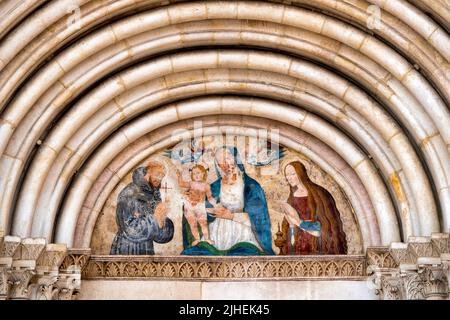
{"points": [[239, 224], [312, 223]]}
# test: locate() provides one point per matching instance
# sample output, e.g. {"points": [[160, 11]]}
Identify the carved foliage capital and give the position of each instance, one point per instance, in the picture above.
{"points": [[380, 257], [75, 260], [30, 249], [19, 280], [51, 258], [435, 282], [68, 286]]}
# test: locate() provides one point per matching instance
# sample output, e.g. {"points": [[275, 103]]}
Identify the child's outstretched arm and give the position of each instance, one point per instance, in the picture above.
{"points": [[181, 182]]}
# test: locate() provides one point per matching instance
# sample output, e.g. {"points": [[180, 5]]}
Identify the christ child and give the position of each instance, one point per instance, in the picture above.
{"points": [[194, 202]]}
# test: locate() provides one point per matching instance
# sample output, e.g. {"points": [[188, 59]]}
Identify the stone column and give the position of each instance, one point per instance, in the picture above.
{"points": [[69, 282], [24, 267]]}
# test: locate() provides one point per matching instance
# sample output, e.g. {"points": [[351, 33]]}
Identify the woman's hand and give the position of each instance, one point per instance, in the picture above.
{"points": [[291, 215], [223, 213]]}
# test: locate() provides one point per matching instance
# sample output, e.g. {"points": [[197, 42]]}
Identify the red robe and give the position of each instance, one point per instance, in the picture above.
{"points": [[304, 242]]}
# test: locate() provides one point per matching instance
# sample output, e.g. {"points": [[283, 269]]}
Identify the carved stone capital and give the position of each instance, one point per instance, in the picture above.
{"points": [[30, 249], [422, 247], [68, 286], [388, 285], [47, 272], [402, 254], [413, 283], [70, 273], [43, 287], [19, 280], [4, 283], [8, 247], [435, 282], [51, 258], [380, 257], [75, 260], [441, 242]]}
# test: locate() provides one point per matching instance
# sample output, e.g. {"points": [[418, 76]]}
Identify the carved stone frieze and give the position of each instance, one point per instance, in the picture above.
{"points": [[226, 268]]}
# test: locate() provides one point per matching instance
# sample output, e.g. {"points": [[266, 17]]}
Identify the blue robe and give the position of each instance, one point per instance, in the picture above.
{"points": [[255, 205]]}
